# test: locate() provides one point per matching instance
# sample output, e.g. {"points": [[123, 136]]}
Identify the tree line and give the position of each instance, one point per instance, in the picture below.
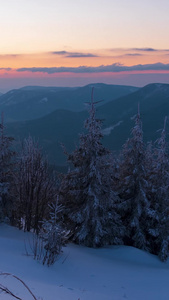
{"points": [[103, 199]]}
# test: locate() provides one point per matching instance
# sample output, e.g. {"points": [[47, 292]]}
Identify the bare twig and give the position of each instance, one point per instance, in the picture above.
{"points": [[65, 258], [6, 290]]}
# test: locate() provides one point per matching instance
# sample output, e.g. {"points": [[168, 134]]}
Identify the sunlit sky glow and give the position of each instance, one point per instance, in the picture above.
{"points": [[75, 42]]}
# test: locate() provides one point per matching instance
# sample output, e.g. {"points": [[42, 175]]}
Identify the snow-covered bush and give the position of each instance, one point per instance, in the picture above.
{"points": [[34, 188], [52, 235]]}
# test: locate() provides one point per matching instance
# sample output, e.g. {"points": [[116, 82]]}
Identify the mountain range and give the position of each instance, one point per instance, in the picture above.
{"points": [[33, 102], [64, 126]]}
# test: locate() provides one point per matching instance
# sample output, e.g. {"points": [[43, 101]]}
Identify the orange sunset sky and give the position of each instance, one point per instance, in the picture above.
{"points": [[75, 42]]}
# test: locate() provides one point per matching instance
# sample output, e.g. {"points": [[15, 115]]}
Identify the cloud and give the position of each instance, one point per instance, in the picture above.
{"points": [[10, 55], [6, 69], [133, 54], [149, 67], [145, 49], [80, 69], [73, 54], [117, 67], [59, 52], [82, 55]]}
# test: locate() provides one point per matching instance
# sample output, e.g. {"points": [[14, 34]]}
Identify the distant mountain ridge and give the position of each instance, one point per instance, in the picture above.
{"points": [[30, 103], [63, 126], [42, 88]]}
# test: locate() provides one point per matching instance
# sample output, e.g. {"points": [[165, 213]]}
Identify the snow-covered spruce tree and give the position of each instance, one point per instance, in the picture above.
{"points": [[90, 203], [53, 235], [151, 191], [160, 201], [6, 166], [34, 188], [136, 210]]}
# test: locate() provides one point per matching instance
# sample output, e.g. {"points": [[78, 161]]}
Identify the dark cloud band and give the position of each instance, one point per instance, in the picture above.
{"points": [[73, 54], [145, 49], [100, 69], [6, 69]]}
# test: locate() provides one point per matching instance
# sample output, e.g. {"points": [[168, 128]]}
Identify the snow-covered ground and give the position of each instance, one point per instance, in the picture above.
{"points": [[113, 273]]}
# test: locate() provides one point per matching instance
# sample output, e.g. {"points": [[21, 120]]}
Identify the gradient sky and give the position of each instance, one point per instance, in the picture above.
{"points": [[75, 42]]}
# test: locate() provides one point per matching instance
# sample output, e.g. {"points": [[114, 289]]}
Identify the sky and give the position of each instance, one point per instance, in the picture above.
{"points": [[76, 42]]}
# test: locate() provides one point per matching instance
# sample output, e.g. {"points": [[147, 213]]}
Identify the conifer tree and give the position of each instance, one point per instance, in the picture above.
{"points": [[6, 166], [53, 235], [90, 203], [133, 188], [160, 200]]}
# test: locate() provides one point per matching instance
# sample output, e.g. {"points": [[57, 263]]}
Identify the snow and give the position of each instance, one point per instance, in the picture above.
{"points": [[108, 130], [81, 273], [45, 99]]}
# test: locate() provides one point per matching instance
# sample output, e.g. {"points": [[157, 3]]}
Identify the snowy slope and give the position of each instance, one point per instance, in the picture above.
{"points": [[113, 273]]}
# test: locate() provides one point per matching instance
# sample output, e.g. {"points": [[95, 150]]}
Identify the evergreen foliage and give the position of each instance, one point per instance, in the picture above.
{"points": [[133, 188], [104, 199], [53, 235], [90, 203], [160, 201], [6, 168]]}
